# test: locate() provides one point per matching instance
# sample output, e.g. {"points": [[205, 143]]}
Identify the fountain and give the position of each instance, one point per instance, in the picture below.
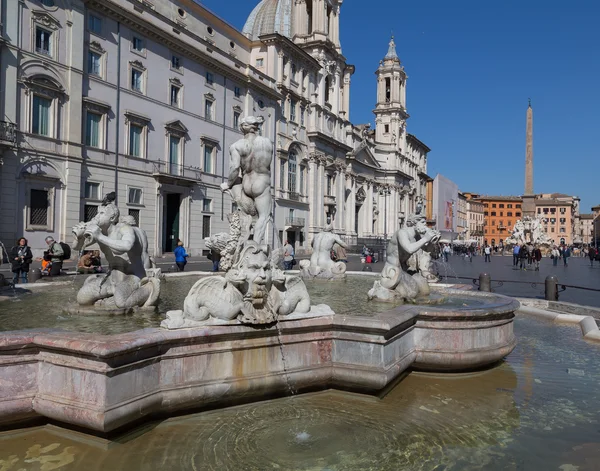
{"points": [[238, 337], [320, 264], [131, 282], [529, 230]]}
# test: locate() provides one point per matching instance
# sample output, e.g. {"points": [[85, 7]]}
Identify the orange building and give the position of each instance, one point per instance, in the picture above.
{"points": [[499, 216]]}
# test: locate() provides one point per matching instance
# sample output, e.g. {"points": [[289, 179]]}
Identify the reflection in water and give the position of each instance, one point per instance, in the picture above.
{"points": [[528, 413]]}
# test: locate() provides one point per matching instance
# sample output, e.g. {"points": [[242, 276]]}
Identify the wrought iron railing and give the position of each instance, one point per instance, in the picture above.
{"points": [[297, 222], [176, 170]]}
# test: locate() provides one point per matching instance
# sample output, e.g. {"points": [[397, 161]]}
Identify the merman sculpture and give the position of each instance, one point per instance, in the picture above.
{"points": [[320, 264], [397, 281], [127, 285]]}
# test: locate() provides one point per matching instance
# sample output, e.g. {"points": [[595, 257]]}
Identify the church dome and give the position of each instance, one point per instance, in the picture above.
{"points": [[269, 16]]}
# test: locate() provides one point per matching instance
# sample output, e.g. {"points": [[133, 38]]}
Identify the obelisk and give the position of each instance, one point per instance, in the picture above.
{"points": [[529, 197]]}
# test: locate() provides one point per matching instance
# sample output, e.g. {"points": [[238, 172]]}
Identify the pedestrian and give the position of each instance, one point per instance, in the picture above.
{"points": [[341, 254], [592, 255], [516, 249], [180, 256], [20, 259], [523, 256], [488, 253], [56, 255], [446, 252], [288, 256], [537, 256], [554, 255], [566, 254], [216, 259]]}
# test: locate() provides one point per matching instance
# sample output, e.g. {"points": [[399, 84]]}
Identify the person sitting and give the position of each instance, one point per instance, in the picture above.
{"points": [[96, 260], [84, 265]]}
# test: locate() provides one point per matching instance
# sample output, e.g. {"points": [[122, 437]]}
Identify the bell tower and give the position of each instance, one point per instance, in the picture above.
{"points": [[390, 112]]}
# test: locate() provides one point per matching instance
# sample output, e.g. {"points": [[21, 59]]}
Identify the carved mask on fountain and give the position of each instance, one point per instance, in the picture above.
{"points": [[252, 274]]}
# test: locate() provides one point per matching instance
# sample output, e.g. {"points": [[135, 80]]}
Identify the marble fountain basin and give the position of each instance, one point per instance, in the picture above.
{"points": [[103, 383]]}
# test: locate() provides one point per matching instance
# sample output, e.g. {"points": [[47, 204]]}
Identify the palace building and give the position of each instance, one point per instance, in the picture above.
{"points": [[144, 97]]}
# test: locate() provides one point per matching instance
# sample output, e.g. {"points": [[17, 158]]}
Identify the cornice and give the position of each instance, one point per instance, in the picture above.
{"points": [[135, 22]]}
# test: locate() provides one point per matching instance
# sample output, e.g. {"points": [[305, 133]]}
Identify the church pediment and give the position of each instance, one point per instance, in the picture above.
{"points": [[362, 154], [176, 127], [45, 19]]}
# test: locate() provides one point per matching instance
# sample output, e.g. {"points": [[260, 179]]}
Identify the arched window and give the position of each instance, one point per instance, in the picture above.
{"points": [[292, 166], [327, 85]]}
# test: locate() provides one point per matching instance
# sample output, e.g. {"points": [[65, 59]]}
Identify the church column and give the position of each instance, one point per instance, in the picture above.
{"points": [[321, 192], [340, 182], [369, 202], [312, 179], [280, 72], [300, 16]]}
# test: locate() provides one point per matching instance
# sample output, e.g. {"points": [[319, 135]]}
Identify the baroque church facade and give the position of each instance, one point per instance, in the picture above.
{"points": [[144, 97]]}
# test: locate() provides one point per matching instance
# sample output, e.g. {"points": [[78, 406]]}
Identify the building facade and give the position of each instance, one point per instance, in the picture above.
{"points": [[561, 217], [586, 228], [462, 225], [144, 98], [500, 213], [475, 218]]}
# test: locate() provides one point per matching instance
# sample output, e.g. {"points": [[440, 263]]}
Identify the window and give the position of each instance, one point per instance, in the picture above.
{"points": [[259, 62], [174, 142], [302, 116], [493, 213], [518, 206], [93, 128], [205, 226], [292, 172], [207, 205], [94, 24], [208, 158], [552, 210], [237, 92], [518, 215], [47, 3], [329, 184], [509, 214], [293, 77], [493, 223], [137, 80], [175, 96], [38, 208], [485, 213], [539, 210], [208, 109], [386, 128], [175, 62], [94, 63], [501, 223], [43, 41], [40, 123], [136, 133], [137, 44], [89, 212], [545, 210], [236, 119], [501, 205], [509, 205], [563, 221], [135, 214], [501, 213], [493, 205], [553, 220], [282, 174], [210, 78], [134, 195], [562, 210], [92, 191], [551, 229], [293, 110]]}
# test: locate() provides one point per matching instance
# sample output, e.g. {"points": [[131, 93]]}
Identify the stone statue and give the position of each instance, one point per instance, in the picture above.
{"points": [[396, 282], [528, 231], [320, 264], [126, 285], [253, 291], [249, 182]]}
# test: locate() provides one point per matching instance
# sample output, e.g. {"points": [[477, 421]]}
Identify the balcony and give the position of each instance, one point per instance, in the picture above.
{"points": [[175, 173], [294, 196], [8, 133], [329, 200], [295, 222]]}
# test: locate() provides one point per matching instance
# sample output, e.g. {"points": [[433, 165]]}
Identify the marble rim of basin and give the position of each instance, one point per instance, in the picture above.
{"points": [[102, 383]]}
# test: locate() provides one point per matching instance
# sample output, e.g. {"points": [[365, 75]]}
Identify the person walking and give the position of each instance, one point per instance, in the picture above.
{"points": [[216, 259], [537, 257], [566, 254], [555, 254], [288, 256], [446, 252], [592, 255], [523, 256], [487, 252], [180, 256], [20, 259], [56, 254], [516, 250]]}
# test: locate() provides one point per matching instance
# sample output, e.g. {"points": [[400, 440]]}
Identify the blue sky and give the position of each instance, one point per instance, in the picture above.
{"points": [[472, 65]]}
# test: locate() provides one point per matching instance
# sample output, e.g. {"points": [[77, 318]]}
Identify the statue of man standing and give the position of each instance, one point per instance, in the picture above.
{"points": [[249, 181]]}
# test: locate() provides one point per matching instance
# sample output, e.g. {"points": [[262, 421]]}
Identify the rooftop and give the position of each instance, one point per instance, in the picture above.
{"points": [[500, 198]]}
